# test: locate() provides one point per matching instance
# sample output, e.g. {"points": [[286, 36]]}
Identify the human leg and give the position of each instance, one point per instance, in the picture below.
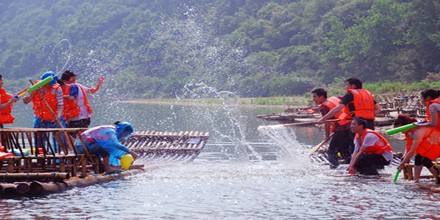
{"points": [[345, 144], [369, 164], [332, 152]]}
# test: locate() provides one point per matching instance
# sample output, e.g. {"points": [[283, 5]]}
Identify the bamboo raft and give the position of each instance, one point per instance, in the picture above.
{"points": [[392, 105], [47, 160], [408, 174]]}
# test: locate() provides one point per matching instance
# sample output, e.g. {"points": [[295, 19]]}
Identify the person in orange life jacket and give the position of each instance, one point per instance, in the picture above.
{"points": [[6, 103], [47, 103], [77, 107], [356, 102], [342, 140], [372, 151], [424, 143], [431, 98]]}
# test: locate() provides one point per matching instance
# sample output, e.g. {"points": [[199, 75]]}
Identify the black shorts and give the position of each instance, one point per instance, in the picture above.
{"points": [[423, 161], [368, 164]]}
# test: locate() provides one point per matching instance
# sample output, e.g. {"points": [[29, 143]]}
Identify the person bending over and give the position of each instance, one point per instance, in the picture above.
{"points": [[105, 142]]}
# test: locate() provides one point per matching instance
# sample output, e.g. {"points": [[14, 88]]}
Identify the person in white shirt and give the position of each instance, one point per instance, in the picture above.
{"points": [[78, 110], [372, 151]]}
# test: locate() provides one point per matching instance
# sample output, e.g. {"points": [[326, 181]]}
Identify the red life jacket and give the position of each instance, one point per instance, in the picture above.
{"points": [[6, 116], [429, 146], [41, 109], [363, 102], [379, 147], [331, 103], [71, 107], [428, 113]]}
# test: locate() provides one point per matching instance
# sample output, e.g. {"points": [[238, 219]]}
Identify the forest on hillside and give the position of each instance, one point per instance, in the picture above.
{"points": [[251, 47]]}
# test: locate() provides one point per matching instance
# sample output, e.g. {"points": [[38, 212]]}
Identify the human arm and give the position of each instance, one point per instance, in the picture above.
{"points": [[98, 85], [434, 109], [323, 109], [354, 157], [369, 140], [73, 93], [417, 137], [60, 102], [109, 141], [331, 113], [10, 102]]}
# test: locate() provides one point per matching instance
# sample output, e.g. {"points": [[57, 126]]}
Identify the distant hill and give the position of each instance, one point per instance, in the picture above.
{"points": [[251, 47]]}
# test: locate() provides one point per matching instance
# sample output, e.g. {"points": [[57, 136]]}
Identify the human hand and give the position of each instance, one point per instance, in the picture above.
{"points": [[101, 79], [401, 165], [14, 99], [351, 170], [421, 123], [27, 99]]}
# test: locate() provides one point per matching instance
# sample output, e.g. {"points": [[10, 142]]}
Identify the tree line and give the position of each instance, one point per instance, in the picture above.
{"points": [[251, 47]]}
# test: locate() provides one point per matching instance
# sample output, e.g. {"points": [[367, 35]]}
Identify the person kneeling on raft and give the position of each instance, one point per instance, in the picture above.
{"points": [[372, 151], [105, 142], [424, 143]]}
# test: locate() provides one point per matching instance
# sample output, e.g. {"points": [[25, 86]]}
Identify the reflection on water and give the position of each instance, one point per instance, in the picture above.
{"points": [[284, 184]]}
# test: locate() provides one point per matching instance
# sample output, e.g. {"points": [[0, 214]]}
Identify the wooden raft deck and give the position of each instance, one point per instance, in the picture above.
{"points": [[47, 160]]}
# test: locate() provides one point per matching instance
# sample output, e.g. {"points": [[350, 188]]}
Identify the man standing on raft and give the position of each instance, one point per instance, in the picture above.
{"points": [[341, 140], [47, 103], [6, 103], [77, 108], [357, 102]]}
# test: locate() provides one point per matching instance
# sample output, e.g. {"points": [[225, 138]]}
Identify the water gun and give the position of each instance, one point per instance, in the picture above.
{"points": [[400, 129], [396, 175], [35, 86]]}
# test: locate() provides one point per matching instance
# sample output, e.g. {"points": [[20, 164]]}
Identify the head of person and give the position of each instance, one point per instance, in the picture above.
{"points": [[68, 77], [430, 94], [402, 120], [49, 74], [353, 83], [319, 95], [123, 130], [358, 125]]}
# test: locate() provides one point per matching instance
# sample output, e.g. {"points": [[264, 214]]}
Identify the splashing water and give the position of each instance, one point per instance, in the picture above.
{"points": [[285, 138], [61, 51], [234, 123]]}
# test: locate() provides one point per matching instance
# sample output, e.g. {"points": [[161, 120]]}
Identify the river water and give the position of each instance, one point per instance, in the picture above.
{"points": [[241, 174]]}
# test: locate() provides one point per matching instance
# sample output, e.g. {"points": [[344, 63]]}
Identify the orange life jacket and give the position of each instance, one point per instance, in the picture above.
{"points": [[331, 103], [429, 147], [428, 113], [379, 147], [71, 107], [40, 107], [6, 116], [363, 102]]}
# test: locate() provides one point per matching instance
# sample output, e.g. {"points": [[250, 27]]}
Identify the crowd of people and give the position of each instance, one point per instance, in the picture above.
{"points": [[349, 125], [65, 103]]}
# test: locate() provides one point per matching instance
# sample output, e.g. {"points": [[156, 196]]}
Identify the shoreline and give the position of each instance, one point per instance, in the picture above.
{"points": [[204, 102]]}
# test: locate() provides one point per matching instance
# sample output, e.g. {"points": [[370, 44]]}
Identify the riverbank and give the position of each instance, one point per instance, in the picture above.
{"points": [[273, 102], [379, 89]]}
